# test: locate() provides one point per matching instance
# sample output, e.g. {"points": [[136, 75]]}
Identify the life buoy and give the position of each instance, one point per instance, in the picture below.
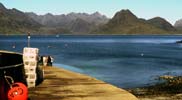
{"points": [[18, 92]]}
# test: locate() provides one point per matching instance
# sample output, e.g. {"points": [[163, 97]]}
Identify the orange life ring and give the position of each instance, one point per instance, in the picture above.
{"points": [[18, 92]]}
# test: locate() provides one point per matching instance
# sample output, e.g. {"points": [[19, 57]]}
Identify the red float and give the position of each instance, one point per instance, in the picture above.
{"points": [[18, 92]]}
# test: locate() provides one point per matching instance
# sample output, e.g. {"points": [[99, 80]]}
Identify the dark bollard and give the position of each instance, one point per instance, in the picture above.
{"points": [[46, 60]]}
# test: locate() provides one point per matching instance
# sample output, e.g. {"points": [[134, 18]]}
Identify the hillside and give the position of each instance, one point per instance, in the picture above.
{"points": [[80, 26], [161, 23], [74, 22], [13, 21], [125, 22], [178, 25]]}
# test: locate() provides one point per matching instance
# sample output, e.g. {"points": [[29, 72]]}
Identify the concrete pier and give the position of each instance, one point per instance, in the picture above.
{"points": [[60, 84]]}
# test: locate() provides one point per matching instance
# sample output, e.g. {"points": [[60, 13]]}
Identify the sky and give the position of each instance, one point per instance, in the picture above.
{"points": [[171, 10]]}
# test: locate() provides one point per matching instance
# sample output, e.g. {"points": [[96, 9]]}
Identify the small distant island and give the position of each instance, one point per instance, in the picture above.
{"points": [[13, 21]]}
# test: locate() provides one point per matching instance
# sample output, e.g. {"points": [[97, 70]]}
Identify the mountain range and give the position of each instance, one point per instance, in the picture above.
{"points": [[13, 21], [126, 22], [74, 22], [178, 25]]}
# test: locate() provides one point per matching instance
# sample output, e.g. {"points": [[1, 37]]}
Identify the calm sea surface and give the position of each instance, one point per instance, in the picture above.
{"points": [[125, 61]]}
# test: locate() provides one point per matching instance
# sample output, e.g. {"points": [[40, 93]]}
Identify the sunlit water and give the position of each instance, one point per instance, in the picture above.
{"points": [[125, 61]]}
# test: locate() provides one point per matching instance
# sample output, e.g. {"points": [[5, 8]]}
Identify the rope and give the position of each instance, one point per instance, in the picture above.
{"points": [[8, 77], [12, 66], [12, 81]]}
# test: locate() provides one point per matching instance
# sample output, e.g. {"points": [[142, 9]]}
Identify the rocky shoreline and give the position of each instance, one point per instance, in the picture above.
{"points": [[169, 89]]}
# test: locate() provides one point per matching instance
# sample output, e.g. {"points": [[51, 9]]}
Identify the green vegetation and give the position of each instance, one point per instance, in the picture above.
{"points": [[125, 22]]}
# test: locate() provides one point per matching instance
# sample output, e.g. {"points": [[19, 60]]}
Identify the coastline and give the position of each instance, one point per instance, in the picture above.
{"points": [[67, 34], [170, 89], [144, 94], [61, 84]]}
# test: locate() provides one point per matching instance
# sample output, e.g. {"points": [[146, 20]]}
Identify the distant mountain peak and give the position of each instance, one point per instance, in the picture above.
{"points": [[124, 17], [126, 22], [49, 14], [17, 11], [125, 14], [161, 23], [16, 21], [96, 13], [178, 24], [2, 6], [31, 13], [179, 20], [158, 19], [126, 11]]}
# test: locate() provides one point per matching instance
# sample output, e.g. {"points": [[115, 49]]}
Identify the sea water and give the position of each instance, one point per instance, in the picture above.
{"points": [[124, 61]]}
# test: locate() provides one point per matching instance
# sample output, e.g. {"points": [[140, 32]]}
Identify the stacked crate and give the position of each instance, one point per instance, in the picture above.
{"points": [[30, 59]]}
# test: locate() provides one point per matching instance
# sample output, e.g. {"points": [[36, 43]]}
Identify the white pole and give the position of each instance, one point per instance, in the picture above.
{"points": [[28, 39]]}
